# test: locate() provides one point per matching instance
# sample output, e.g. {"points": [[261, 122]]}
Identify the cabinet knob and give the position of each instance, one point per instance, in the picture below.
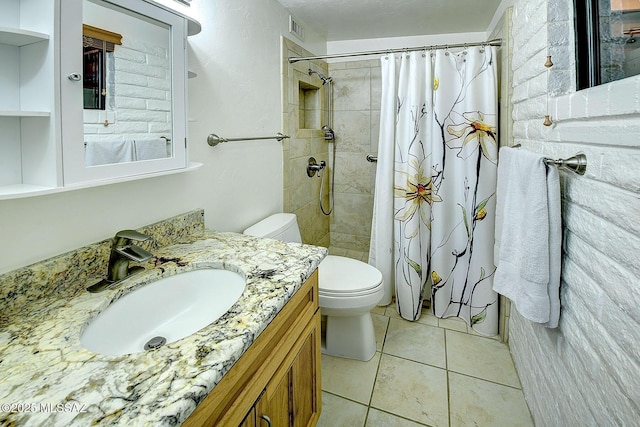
{"points": [[267, 419], [75, 77]]}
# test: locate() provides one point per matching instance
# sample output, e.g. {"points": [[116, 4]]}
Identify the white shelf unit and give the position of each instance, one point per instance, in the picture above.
{"points": [[38, 43], [29, 154], [25, 190], [18, 37], [19, 113]]}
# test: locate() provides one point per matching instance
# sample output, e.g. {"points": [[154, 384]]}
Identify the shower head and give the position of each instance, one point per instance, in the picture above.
{"points": [[325, 80], [328, 133]]}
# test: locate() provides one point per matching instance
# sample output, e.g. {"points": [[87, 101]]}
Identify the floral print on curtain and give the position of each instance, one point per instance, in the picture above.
{"points": [[445, 166]]}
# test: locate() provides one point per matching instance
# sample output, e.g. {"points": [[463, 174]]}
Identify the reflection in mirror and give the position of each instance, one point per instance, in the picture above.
{"points": [[607, 43], [127, 86], [97, 48]]}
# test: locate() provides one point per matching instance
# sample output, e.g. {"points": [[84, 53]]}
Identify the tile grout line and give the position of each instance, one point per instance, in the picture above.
{"points": [[416, 361], [485, 380], [375, 378], [402, 417], [446, 364]]}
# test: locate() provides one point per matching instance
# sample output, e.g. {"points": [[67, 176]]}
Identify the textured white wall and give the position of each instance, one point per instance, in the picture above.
{"points": [[237, 93], [586, 372]]}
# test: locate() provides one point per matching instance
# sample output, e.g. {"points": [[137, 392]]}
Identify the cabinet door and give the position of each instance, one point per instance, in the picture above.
{"points": [[292, 397], [306, 381], [274, 409], [250, 419]]}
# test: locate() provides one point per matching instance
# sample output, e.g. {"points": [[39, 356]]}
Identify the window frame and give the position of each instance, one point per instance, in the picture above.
{"points": [[587, 44], [94, 62]]}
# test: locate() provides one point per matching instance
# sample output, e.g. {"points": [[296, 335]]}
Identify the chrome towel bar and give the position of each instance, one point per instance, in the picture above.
{"points": [[214, 139], [576, 164]]}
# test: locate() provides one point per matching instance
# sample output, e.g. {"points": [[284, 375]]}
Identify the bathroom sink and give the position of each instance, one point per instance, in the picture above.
{"points": [[163, 311]]}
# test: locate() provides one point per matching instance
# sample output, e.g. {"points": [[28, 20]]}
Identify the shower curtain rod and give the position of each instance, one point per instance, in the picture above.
{"points": [[494, 42]]}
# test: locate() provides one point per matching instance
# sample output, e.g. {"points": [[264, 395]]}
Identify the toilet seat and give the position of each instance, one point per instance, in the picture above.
{"points": [[347, 277], [348, 295]]}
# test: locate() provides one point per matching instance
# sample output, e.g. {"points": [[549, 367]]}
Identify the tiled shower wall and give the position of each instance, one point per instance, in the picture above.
{"points": [[356, 122], [304, 113]]}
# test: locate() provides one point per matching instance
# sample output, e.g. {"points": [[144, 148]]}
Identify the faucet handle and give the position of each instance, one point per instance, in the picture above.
{"points": [[132, 235]]}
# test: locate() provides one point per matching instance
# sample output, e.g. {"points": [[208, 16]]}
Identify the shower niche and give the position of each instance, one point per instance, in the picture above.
{"points": [[309, 102]]}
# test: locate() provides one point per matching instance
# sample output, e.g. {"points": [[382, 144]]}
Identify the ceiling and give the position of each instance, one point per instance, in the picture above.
{"points": [[365, 19]]}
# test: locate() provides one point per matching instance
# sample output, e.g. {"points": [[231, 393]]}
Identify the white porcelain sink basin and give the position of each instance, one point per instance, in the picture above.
{"points": [[163, 311]]}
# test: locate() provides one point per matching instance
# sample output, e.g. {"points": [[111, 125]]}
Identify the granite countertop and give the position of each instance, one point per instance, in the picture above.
{"points": [[48, 378]]}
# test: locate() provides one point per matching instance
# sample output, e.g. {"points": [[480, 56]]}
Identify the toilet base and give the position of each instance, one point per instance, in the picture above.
{"points": [[352, 337]]}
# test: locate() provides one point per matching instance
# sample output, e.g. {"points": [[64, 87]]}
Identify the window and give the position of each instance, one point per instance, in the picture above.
{"points": [[606, 46], [96, 45]]}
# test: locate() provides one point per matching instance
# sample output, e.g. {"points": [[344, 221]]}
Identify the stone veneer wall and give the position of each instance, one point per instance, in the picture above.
{"points": [[587, 371], [300, 193], [356, 122]]}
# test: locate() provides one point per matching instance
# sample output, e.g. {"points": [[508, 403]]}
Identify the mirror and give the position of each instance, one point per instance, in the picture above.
{"points": [[143, 127], [127, 85], [607, 42]]}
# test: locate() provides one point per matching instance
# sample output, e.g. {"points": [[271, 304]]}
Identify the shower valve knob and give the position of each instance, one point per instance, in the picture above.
{"points": [[314, 168]]}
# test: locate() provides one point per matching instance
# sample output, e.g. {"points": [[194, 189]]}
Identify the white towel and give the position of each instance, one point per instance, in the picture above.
{"points": [[555, 245], [528, 235], [148, 149], [108, 152]]}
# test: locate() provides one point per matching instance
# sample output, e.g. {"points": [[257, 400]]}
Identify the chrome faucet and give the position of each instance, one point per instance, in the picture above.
{"points": [[122, 252]]}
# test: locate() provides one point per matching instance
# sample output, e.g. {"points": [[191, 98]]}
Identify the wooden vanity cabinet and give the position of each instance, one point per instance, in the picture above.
{"points": [[250, 419], [277, 378]]}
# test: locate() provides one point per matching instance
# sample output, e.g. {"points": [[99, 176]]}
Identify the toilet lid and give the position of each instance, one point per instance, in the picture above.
{"points": [[343, 275]]}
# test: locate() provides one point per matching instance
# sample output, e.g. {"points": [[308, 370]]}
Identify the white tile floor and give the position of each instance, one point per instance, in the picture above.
{"points": [[432, 372]]}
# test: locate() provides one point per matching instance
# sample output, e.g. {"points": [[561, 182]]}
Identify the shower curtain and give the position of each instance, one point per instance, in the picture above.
{"points": [[434, 203]]}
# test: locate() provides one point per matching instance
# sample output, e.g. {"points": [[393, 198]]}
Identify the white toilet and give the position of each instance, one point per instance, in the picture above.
{"points": [[348, 290]]}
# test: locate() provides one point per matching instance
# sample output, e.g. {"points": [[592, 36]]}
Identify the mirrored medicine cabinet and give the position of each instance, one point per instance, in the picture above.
{"points": [[95, 93]]}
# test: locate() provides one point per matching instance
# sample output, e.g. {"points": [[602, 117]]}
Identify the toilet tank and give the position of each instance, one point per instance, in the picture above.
{"points": [[280, 226]]}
